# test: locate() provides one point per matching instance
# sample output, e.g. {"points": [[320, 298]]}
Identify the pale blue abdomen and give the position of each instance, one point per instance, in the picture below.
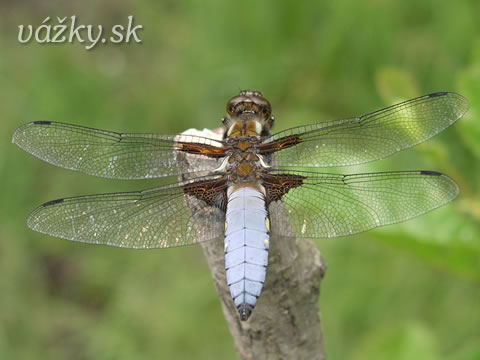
{"points": [[246, 247]]}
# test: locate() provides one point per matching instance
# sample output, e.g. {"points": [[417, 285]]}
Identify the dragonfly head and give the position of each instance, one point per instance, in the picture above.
{"points": [[249, 102], [249, 106]]}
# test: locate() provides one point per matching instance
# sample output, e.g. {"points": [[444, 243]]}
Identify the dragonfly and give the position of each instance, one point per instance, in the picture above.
{"points": [[244, 185]]}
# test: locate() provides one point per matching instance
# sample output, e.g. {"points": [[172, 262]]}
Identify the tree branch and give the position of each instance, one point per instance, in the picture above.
{"points": [[285, 324]]}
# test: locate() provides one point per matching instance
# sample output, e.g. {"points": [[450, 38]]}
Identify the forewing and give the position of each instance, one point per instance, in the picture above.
{"points": [[366, 138], [330, 205], [114, 155], [167, 216]]}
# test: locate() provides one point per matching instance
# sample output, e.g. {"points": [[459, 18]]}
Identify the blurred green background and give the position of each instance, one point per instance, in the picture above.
{"points": [[409, 291]]}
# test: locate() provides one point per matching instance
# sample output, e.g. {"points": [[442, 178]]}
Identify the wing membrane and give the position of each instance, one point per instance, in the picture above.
{"points": [[156, 218], [110, 154], [330, 205], [369, 137]]}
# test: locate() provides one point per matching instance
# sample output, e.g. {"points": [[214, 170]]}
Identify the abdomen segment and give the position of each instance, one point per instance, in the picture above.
{"points": [[246, 247]]}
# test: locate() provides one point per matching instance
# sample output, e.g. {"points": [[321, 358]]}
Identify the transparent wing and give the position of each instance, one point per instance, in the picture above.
{"points": [[368, 137], [157, 218], [114, 155], [330, 205]]}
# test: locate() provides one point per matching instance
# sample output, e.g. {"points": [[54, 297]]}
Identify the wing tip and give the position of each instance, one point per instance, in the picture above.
{"points": [[465, 104], [18, 130], [31, 219], [446, 178]]}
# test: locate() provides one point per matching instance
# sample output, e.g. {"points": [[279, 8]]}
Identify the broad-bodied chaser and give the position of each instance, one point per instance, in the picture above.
{"points": [[241, 187]]}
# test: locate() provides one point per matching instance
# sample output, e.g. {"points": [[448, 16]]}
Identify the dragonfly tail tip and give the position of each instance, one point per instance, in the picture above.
{"points": [[245, 311]]}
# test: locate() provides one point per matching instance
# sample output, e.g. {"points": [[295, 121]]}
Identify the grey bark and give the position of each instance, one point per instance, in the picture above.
{"points": [[286, 323]]}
